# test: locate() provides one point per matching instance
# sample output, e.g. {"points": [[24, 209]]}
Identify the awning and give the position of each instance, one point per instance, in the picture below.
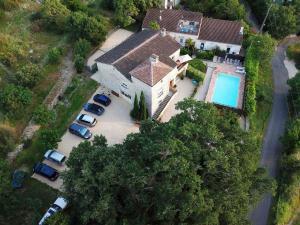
{"points": [[183, 59]]}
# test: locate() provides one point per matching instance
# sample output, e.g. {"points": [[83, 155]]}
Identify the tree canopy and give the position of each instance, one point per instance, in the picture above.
{"points": [[199, 168]]}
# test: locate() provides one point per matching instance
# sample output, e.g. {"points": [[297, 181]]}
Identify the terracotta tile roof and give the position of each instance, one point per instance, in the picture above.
{"points": [[161, 46], [223, 31], [170, 18], [216, 30], [151, 72]]}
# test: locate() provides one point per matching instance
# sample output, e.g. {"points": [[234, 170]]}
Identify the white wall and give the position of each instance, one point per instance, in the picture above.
{"points": [[178, 36], [208, 45]]}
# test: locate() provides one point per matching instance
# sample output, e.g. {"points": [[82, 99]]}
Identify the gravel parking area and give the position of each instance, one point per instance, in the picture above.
{"points": [[115, 124]]}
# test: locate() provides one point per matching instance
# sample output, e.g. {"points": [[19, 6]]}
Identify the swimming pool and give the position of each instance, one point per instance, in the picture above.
{"points": [[226, 91]]}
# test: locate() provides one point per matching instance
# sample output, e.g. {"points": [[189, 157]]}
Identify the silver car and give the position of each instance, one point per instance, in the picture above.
{"points": [[86, 120], [59, 205], [55, 156]]}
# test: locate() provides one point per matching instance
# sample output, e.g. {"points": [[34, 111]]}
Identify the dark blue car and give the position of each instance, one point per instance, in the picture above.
{"points": [[94, 108], [18, 179], [80, 131], [102, 99], [46, 171]]}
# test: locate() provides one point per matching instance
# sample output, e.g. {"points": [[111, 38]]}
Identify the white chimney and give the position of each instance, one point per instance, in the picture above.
{"points": [[163, 32], [154, 58], [242, 31]]}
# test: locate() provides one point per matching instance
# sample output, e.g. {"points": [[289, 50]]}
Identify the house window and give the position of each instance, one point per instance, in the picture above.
{"points": [[202, 46], [181, 40], [228, 50], [126, 95], [160, 92], [124, 85]]}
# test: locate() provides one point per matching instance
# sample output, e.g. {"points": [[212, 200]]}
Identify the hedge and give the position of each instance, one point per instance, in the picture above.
{"points": [[208, 55], [198, 64], [194, 74]]}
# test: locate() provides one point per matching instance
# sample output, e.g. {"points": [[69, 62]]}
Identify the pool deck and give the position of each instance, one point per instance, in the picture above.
{"points": [[228, 69]]}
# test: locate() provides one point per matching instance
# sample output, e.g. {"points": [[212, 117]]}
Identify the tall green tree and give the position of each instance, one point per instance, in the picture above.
{"points": [[143, 111], [198, 168], [135, 111]]}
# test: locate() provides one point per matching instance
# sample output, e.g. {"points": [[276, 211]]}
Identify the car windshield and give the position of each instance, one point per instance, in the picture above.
{"points": [[83, 131], [51, 212]]}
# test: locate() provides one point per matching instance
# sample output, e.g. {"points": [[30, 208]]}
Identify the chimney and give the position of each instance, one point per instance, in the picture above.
{"points": [[242, 31], [154, 58], [163, 32]]}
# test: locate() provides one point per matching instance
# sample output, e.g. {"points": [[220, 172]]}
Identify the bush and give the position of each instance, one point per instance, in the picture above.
{"points": [[14, 98], [7, 140], [198, 64], [208, 55], [49, 138], [75, 5], [184, 51], [293, 53], [9, 4], [79, 63], [28, 75], [54, 55], [82, 48], [43, 116], [194, 74]]}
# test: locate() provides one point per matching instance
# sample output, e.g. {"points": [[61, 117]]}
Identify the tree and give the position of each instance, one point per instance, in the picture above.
{"points": [[190, 45], [282, 21], [82, 47], [154, 25], [55, 14], [143, 111], [28, 75], [75, 5], [294, 95], [7, 140], [170, 173], [43, 116], [90, 28], [13, 98], [49, 138], [135, 111], [79, 63]]}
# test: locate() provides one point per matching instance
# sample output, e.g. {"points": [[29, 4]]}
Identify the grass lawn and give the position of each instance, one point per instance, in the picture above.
{"points": [[75, 96], [35, 199]]}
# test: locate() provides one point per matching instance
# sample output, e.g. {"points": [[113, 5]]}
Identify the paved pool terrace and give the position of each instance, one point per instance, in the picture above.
{"points": [[229, 70]]}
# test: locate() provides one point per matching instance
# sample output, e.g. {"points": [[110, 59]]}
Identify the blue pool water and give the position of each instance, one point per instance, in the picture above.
{"points": [[226, 90]]}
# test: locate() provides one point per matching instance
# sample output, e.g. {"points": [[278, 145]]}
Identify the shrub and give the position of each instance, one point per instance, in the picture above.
{"points": [[75, 5], [82, 48], [54, 55], [135, 111], [208, 55], [9, 4], [184, 51], [13, 98], [43, 116], [7, 140], [194, 74], [154, 25], [293, 53], [49, 138], [79, 63], [28, 75], [198, 64]]}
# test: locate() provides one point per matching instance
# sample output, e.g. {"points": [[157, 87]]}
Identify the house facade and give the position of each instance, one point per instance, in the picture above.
{"points": [[145, 62], [207, 33]]}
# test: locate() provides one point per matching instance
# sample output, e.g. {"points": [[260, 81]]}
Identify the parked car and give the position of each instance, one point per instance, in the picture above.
{"points": [[59, 205], [86, 120], [102, 99], [55, 156], [94, 108], [18, 179], [46, 171], [80, 131]]}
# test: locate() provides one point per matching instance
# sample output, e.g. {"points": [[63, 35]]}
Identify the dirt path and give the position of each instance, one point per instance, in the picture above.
{"points": [[66, 74]]}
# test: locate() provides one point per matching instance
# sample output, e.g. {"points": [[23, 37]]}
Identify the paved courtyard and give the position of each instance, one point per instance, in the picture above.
{"points": [[185, 89], [115, 124]]}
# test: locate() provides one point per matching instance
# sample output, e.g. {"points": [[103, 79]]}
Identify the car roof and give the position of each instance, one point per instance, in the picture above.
{"points": [[57, 155], [85, 117], [47, 169], [75, 126], [102, 96], [61, 202]]}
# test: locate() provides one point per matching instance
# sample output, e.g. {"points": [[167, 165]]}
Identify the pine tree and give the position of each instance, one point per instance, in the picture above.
{"points": [[135, 111], [143, 108]]}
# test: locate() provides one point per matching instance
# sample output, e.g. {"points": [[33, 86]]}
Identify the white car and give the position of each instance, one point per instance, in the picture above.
{"points": [[55, 156], [59, 205], [86, 120]]}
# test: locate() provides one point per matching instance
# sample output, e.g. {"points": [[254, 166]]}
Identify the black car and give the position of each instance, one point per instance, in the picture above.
{"points": [[46, 171], [94, 108], [102, 99], [80, 131]]}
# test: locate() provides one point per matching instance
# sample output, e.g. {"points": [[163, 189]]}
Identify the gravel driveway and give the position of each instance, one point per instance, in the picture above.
{"points": [[115, 124]]}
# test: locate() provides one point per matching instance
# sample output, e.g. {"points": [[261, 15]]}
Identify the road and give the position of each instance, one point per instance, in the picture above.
{"points": [[271, 146]]}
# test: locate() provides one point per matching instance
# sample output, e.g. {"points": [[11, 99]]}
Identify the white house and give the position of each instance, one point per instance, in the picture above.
{"points": [[148, 61], [207, 33]]}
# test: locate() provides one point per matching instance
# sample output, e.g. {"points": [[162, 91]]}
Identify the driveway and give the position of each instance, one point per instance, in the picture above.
{"points": [[113, 39], [272, 146], [115, 124], [185, 89]]}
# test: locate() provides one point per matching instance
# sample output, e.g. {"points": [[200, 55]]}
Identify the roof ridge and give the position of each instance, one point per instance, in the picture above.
{"points": [[135, 48]]}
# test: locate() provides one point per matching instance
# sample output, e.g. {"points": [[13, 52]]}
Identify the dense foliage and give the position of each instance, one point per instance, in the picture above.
{"points": [[294, 94], [28, 75], [221, 9], [43, 116], [139, 111], [293, 52], [199, 168], [7, 140]]}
